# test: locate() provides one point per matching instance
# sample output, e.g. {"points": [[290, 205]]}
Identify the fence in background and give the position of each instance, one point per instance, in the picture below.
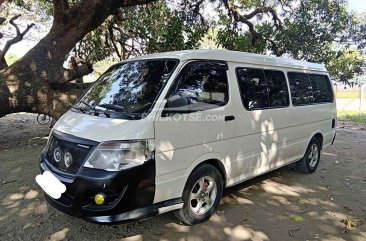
{"points": [[351, 98]]}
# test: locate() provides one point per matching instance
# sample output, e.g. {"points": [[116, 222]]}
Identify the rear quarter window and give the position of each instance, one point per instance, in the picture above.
{"points": [[322, 89]]}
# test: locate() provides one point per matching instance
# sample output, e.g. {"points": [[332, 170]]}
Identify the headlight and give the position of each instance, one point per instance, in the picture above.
{"points": [[116, 156]]}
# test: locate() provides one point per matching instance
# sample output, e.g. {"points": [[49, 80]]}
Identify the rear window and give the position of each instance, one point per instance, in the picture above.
{"points": [[310, 88], [322, 89]]}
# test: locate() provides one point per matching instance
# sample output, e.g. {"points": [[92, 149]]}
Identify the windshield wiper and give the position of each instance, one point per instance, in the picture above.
{"points": [[87, 104], [79, 108], [119, 108], [114, 107]]}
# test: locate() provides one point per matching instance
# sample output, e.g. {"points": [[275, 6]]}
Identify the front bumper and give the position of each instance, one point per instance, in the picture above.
{"points": [[129, 193]]}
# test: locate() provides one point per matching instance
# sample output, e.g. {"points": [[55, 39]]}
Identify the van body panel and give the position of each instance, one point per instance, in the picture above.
{"points": [[182, 141], [237, 57], [171, 185], [247, 142], [104, 129]]}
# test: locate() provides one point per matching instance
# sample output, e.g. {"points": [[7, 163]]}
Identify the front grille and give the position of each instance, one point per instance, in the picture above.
{"points": [[67, 155]]}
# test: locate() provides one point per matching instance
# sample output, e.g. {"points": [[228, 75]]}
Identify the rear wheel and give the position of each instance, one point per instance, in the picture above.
{"points": [[201, 195], [310, 161]]}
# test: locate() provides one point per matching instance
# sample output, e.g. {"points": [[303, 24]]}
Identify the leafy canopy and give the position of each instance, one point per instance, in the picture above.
{"points": [[312, 30]]}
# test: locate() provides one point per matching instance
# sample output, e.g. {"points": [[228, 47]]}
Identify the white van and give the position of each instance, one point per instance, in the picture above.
{"points": [[170, 131]]}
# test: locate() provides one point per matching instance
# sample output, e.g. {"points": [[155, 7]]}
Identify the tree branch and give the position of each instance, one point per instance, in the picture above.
{"points": [[75, 73], [276, 50], [99, 11], [76, 21], [244, 18], [17, 38], [112, 38], [14, 24], [60, 9]]}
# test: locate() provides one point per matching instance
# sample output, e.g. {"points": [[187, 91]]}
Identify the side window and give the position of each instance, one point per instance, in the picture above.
{"points": [[301, 89], [277, 88], [322, 89], [253, 88], [201, 85]]}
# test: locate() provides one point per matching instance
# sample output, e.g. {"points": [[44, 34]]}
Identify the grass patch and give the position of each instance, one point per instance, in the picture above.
{"points": [[352, 116], [348, 94]]}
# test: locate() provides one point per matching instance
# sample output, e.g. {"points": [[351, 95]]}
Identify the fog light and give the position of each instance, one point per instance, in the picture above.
{"points": [[99, 198]]}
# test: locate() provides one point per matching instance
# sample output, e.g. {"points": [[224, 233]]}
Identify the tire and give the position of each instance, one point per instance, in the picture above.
{"points": [[310, 161], [200, 205]]}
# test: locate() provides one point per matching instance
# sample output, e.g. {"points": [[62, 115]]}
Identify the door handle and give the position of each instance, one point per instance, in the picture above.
{"points": [[229, 117]]}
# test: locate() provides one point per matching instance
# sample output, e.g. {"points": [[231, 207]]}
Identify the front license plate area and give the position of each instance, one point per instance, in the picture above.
{"points": [[50, 184]]}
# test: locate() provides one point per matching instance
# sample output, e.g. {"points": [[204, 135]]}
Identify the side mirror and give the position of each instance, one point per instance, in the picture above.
{"points": [[176, 101], [175, 104]]}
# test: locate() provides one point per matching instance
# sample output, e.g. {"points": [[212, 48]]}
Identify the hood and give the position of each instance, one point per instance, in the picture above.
{"points": [[104, 129]]}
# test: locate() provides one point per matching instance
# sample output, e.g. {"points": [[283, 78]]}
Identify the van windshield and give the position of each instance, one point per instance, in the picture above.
{"points": [[127, 90]]}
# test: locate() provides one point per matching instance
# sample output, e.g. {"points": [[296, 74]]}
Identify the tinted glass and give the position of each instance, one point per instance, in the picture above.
{"points": [[128, 89], [200, 86], [322, 89], [277, 88], [253, 88], [301, 90]]}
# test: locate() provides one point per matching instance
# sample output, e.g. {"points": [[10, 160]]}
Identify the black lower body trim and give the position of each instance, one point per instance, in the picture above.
{"points": [[127, 217], [335, 133], [124, 192]]}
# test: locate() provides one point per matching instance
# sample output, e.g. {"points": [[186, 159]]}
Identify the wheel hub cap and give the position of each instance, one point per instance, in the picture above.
{"points": [[313, 155], [203, 195]]}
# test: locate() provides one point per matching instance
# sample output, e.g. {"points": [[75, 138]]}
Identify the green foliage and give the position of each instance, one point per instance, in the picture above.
{"points": [[344, 64], [236, 36], [232, 40], [93, 48], [354, 116], [142, 30], [11, 58], [329, 42], [209, 40], [101, 66], [312, 30], [38, 11], [313, 26], [358, 32], [297, 218]]}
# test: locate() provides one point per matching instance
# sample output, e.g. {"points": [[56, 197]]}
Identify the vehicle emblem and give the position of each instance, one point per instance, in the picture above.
{"points": [[68, 159], [57, 153]]}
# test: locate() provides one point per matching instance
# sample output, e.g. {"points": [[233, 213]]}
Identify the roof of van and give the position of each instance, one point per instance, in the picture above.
{"points": [[236, 56]]}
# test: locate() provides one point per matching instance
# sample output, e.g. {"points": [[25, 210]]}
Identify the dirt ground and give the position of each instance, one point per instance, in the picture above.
{"points": [[282, 205]]}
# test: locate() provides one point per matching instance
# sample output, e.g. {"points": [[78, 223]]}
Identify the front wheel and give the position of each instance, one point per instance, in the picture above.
{"points": [[201, 195], [310, 161]]}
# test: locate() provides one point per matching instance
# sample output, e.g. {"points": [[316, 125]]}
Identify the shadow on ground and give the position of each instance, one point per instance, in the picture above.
{"points": [[281, 205]]}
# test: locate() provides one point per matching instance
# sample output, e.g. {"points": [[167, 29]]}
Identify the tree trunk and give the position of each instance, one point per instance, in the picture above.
{"points": [[38, 82]]}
